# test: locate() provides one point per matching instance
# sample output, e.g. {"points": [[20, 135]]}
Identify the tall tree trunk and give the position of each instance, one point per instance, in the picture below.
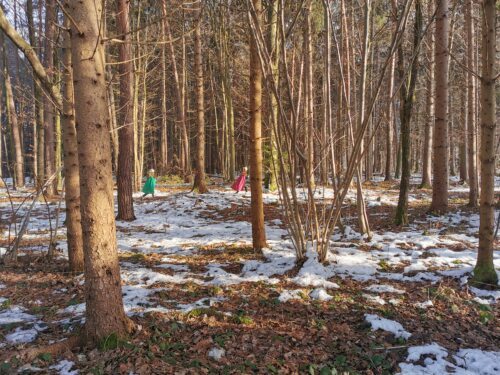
{"points": [[464, 175], [257, 204], [429, 106], [71, 172], [309, 91], [15, 130], [364, 227], [390, 123], [164, 119], [484, 272], [406, 106], [126, 128], [199, 180], [38, 109], [103, 295], [273, 45], [49, 111], [327, 130], [440, 162], [471, 109]]}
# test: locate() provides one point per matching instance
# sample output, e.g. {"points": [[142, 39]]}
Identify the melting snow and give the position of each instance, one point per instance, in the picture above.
{"points": [[387, 325]]}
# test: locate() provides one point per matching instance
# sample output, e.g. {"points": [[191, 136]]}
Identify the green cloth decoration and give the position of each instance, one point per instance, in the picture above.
{"points": [[149, 186]]}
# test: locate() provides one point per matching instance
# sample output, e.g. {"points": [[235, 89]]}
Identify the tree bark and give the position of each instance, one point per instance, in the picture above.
{"points": [[103, 295], [126, 128], [429, 115], [49, 111], [484, 272], [406, 106], [15, 131], [440, 163], [38, 108], [199, 180], [309, 94], [471, 110], [257, 204], [71, 172]]}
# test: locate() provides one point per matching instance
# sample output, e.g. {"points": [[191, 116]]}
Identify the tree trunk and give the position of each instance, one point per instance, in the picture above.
{"points": [[164, 119], [440, 163], [71, 173], [15, 130], [406, 106], [38, 109], [49, 114], [126, 128], [309, 91], [390, 123], [484, 272], [471, 109], [257, 204], [199, 180], [103, 295], [464, 175], [429, 115]]}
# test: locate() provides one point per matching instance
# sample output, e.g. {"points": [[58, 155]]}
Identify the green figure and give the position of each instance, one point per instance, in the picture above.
{"points": [[149, 186]]}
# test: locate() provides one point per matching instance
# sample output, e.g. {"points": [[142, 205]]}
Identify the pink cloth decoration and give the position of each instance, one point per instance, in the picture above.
{"points": [[239, 183]]}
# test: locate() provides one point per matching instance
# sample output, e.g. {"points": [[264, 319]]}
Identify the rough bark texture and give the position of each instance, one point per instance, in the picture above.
{"points": [[471, 110], [429, 105], [103, 295], [407, 98], [126, 128], [199, 181], [484, 272], [71, 173], [440, 164], [49, 111], [257, 204]]}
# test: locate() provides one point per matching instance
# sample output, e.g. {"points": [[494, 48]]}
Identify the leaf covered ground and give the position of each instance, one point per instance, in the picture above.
{"points": [[205, 302]]}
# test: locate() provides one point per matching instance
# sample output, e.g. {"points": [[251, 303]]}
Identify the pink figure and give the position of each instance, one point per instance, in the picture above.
{"points": [[239, 183]]}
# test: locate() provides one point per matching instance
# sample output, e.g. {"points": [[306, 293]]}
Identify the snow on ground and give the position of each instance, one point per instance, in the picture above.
{"points": [[180, 226], [387, 325], [437, 361]]}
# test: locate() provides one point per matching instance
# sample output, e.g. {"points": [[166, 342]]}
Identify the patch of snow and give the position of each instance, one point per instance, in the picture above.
{"points": [[21, 336], [490, 294], [384, 288], [315, 274], [374, 299], [320, 294], [478, 361], [387, 325], [467, 361], [216, 353], [395, 302], [424, 305], [483, 301], [15, 314], [64, 367], [288, 295]]}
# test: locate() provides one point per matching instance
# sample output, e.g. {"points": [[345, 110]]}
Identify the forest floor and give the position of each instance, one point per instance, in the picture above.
{"points": [[207, 303]]}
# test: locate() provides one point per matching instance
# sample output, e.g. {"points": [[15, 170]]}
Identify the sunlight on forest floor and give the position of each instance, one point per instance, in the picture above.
{"points": [[208, 303]]}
